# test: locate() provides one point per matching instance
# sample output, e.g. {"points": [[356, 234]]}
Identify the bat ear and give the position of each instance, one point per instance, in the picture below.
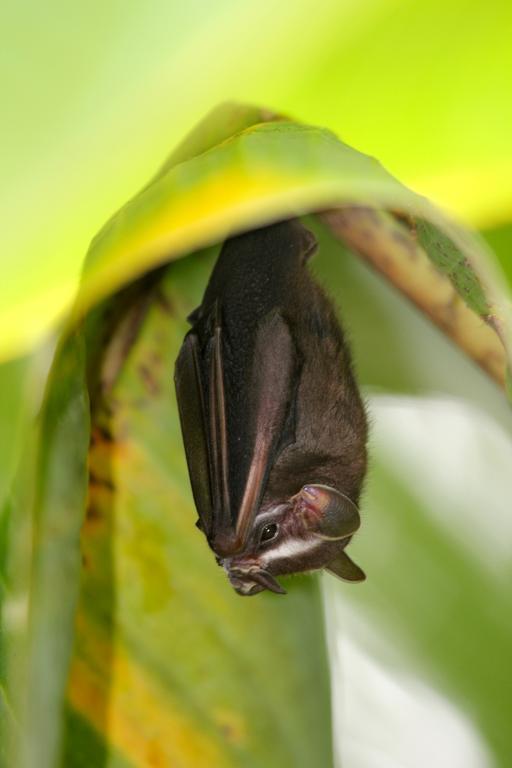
{"points": [[345, 568], [309, 244], [335, 515]]}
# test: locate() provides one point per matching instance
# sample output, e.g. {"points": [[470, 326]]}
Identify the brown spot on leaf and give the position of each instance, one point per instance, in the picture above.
{"points": [[408, 220], [92, 513], [156, 358], [232, 726], [101, 482], [405, 242], [149, 380], [368, 233], [101, 434], [164, 302], [366, 214]]}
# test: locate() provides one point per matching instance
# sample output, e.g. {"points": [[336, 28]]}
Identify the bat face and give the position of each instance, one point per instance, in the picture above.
{"points": [[306, 533], [273, 424]]}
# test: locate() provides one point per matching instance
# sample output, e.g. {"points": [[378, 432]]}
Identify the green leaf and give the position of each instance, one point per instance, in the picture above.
{"points": [[220, 124], [171, 667], [444, 253], [165, 653], [401, 81], [273, 170], [42, 524], [396, 348], [21, 389]]}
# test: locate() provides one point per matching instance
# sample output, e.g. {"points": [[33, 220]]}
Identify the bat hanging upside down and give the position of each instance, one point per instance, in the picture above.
{"points": [[273, 424]]}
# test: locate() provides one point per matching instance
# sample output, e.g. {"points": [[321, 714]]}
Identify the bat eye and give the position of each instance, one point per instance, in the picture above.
{"points": [[269, 532]]}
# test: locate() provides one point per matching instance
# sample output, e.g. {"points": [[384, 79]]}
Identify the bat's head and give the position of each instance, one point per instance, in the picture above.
{"points": [[305, 533]]}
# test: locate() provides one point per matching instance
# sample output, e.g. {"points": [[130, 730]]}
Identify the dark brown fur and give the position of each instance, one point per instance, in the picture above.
{"points": [[267, 397]]}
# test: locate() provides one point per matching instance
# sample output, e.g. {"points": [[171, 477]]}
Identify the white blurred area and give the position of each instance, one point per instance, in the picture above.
{"points": [[461, 462], [388, 719]]}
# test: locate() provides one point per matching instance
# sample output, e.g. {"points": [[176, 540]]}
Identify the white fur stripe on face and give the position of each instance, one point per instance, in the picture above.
{"points": [[290, 548]]}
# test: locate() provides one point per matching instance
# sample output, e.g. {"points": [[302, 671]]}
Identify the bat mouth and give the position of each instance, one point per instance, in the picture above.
{"points": [[253, 580]]}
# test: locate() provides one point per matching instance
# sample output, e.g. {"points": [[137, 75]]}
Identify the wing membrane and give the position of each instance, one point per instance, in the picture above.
{"points": [[271, 395], [189, 393]]}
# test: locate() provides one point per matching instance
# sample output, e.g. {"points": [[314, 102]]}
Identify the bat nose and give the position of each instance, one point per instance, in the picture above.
{"points": [[231, 564]]}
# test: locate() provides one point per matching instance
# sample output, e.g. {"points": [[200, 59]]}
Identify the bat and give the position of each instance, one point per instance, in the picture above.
{"points": [[273, 424]]}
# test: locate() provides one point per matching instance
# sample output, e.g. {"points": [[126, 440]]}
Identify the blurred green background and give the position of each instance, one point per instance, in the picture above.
{"points": [[93, 99]]}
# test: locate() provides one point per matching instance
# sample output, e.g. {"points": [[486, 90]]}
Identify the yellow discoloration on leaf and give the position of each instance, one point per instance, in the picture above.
{"points": [[199, 214], [267, 172], [150, 565], [109, 690]]}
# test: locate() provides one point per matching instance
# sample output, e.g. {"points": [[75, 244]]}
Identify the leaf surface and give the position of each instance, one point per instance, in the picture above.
{"points": [[41, 523], [171, 667]]}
